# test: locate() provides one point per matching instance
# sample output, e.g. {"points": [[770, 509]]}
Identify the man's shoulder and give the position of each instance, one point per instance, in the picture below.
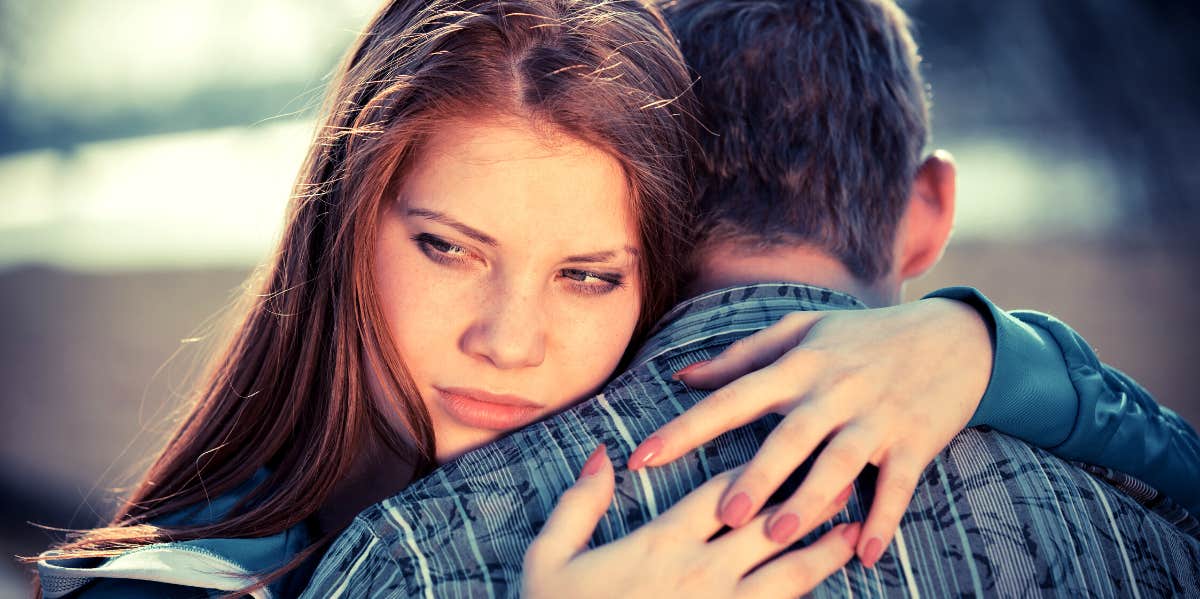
{"points": [[721, 316]]}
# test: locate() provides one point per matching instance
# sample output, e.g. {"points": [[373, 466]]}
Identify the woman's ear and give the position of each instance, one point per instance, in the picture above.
{"points": [[925, 226]]}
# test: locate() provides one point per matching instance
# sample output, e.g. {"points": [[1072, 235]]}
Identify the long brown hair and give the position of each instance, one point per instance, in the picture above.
{"points": [[289, 390]]}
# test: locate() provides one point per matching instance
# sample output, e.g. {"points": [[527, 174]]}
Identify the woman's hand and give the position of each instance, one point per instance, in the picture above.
{"points": [[888, 386], [672, 555]]}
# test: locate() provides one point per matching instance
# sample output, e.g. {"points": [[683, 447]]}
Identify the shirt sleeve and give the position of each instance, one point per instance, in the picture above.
{"points": [[1049, 389], [358, 564]]}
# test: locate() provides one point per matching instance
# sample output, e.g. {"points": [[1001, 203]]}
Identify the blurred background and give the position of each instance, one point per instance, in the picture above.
{"points": [[147, 151]]}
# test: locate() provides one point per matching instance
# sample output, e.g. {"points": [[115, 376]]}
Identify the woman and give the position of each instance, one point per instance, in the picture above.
{"points": [[408, 219], [485, 171]]}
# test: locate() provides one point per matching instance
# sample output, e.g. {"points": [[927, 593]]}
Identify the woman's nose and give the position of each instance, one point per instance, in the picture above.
{"points": [[509, 332]]}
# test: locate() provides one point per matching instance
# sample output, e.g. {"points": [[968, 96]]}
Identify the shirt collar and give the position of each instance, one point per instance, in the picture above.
{"points": [[739, 308]]}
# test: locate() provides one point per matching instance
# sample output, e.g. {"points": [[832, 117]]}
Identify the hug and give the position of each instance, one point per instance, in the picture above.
{"points": [[600, 298]]}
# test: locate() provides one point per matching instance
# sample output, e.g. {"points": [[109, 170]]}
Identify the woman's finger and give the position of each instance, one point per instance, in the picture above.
{"points": [[750, 353], [838, 505], [695, 515], [748, 546], [838, 464], [792, 441], [798, 572], [574, 519], [898, 477], [740, 402]]}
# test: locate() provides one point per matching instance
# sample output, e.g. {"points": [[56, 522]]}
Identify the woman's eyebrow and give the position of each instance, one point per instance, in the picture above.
{"points": [[471, 232], [597, 257], [484, 238]]}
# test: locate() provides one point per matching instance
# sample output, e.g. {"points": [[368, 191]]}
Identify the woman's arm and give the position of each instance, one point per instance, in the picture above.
{"points": [[1049, 389], [892, 386], [887, 386]]}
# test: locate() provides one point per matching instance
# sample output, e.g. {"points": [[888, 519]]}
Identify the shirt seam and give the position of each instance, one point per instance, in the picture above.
{"points": [[378, 540]]}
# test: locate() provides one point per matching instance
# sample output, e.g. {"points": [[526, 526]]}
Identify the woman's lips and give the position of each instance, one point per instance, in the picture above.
{"points": [[481, 409]]}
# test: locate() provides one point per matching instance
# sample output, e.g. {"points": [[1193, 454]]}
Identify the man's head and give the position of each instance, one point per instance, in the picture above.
{"points": [[820, 117]]}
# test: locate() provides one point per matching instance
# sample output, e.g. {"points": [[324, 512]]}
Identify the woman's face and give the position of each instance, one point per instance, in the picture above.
{"points": [[508, 272]]}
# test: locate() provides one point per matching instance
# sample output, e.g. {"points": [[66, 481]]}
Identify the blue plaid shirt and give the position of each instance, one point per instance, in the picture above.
{"points": [[991, 515]]}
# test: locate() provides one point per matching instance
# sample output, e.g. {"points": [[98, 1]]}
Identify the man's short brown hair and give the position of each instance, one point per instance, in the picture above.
{"points": [[819, 117]]}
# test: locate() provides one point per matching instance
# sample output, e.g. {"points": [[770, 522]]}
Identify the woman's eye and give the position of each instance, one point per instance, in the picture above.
{"points": [[592, 283], [439, 250]]}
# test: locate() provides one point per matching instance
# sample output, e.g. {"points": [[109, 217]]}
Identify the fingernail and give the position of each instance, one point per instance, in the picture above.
{"points": [[783, 527], [844, 496], [645, 452], [872, 552], [850, 533], [593, 463], [734, 512], [689, 368]]}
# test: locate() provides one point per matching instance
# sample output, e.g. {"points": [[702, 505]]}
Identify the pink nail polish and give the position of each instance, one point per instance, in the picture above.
{"points": [[872, 552], [735, 510], [645, 452], [689, 368], [783, 528], [594, 462]]}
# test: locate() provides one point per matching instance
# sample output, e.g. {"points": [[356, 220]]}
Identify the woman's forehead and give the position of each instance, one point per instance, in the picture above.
{"points": [[513, 182]]}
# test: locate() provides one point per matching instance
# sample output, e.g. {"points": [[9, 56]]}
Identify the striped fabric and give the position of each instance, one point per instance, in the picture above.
{"points": [[1147, 496], [991, 516]]}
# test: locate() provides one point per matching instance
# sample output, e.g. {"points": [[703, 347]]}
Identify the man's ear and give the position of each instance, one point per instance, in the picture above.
{"points": [[924, 227]]}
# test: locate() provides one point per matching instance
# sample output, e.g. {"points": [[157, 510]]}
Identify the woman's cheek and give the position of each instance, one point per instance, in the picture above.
{"points": [[433, 303], [603, 331]]}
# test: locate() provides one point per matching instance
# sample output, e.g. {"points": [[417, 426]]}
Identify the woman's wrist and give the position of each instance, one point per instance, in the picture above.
{"points": [[1029, 395], [983, 311]]}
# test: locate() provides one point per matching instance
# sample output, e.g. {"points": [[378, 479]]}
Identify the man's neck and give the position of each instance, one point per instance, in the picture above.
{"points": [[726, 265]]}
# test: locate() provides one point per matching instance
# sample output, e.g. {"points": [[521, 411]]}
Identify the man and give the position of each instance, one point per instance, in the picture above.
{"points": [[814, 197]]}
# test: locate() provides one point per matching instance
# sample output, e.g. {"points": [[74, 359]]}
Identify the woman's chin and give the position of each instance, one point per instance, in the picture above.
{"points": [[459, 442]]}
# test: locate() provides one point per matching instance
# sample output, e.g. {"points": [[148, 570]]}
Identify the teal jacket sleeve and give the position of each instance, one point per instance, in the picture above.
{"points": [[1049, 389]]}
